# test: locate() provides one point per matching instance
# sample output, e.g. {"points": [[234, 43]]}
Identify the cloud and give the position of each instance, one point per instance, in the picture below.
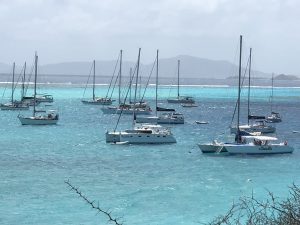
{"points": [[207, 28]]}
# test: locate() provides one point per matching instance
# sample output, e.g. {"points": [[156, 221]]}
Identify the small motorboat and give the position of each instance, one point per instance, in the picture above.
{"points": [[201, 122]]}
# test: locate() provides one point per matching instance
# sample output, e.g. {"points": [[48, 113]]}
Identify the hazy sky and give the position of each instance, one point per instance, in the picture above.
{"points": [[76, 30]]}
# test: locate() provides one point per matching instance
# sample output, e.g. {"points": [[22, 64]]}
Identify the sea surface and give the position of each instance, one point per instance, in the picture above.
{"points": [[140, 184]]}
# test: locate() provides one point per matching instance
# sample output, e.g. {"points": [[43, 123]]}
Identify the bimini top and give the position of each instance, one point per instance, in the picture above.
{"points": [[261, 138]]}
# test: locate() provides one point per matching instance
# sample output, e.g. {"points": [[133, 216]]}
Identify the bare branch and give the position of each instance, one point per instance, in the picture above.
{"points": [[92, 204]]}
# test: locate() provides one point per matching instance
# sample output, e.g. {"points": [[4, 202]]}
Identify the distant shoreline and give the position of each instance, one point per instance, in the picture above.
{"points": [[81, 80]]}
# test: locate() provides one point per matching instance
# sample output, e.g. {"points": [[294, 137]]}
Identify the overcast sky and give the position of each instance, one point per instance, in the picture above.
{"points": [[81, 30]]}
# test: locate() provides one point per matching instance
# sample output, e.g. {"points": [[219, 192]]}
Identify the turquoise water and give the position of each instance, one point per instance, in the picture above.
{"points": [[142, 184]]}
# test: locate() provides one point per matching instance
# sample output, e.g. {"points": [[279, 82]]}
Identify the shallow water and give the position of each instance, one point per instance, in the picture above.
{"points": [[142, 184]]}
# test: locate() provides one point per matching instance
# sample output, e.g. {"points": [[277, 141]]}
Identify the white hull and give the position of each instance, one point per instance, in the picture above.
{"points": [[255, 149], [37, 121], [212, 148], [139, 138], [11, 107], [181, 100], [252, 129], [95, 102], [160, 120], [115, 110], [147, 119]]}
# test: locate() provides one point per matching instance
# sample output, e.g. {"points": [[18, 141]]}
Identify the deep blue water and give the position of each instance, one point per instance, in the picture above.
{"points": [[142, 184]]}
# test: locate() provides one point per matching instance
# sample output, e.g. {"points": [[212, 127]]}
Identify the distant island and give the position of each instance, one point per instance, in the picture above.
{"points": [[286, 77], [278, 77]]}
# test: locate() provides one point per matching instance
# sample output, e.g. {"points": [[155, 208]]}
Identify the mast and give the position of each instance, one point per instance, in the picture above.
{"points": [[130, 75], [238, 138], [23, 83], [136, 83], [250, 60], [156, 85], [120, 74], [178, 70], [272, 93], [35, 79], [12, 84], [94, 79]]}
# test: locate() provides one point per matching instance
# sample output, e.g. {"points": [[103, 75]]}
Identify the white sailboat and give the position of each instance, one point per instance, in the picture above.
{"points": [[256, 125], [14, 104], [39, 117], [275, 117], [180, 99], [140, 107], [143, 134], [96, 100], [164, 118], [253, 144], [260, 144]]}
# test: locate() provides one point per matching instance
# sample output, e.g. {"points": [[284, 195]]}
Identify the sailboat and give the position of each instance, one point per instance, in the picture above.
{"points": [[165, 118], [259, 124], [245, 144], [275, 117], [39, 98], [253, 144], [13, 104], [143, 134], [39, 117], [180, 99], [139, 107], [96, 100]]}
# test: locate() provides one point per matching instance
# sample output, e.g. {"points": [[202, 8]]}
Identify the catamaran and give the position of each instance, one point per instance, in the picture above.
{"points": [[39, 117], [164, 118], [143, 134], [256, 125], [140, 107], [249, 144]]}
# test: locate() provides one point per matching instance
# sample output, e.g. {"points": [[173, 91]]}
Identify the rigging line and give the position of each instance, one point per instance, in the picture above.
{"points": [[111, 80], [19, 77], [114, 86], [87, 81], [28, 80], [130, 83], [235, 108], [148, 80]]}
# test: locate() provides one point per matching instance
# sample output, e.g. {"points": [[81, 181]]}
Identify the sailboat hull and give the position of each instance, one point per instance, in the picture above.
{"points": [[96, 102], [181, 100], [37, 121], [115, 110], [254, 149], [251, 129], [139, 138], [13, 107], [212, 148]]}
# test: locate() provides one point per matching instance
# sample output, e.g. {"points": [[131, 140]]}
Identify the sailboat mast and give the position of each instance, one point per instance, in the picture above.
{"points": [[249, 83], [12, 84], [272, 92], [178, 70], [94, 78], [130, 75], [156, 85], [136, 84], [120, 75], [239, 91], [35, 79], [23, 83]]}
